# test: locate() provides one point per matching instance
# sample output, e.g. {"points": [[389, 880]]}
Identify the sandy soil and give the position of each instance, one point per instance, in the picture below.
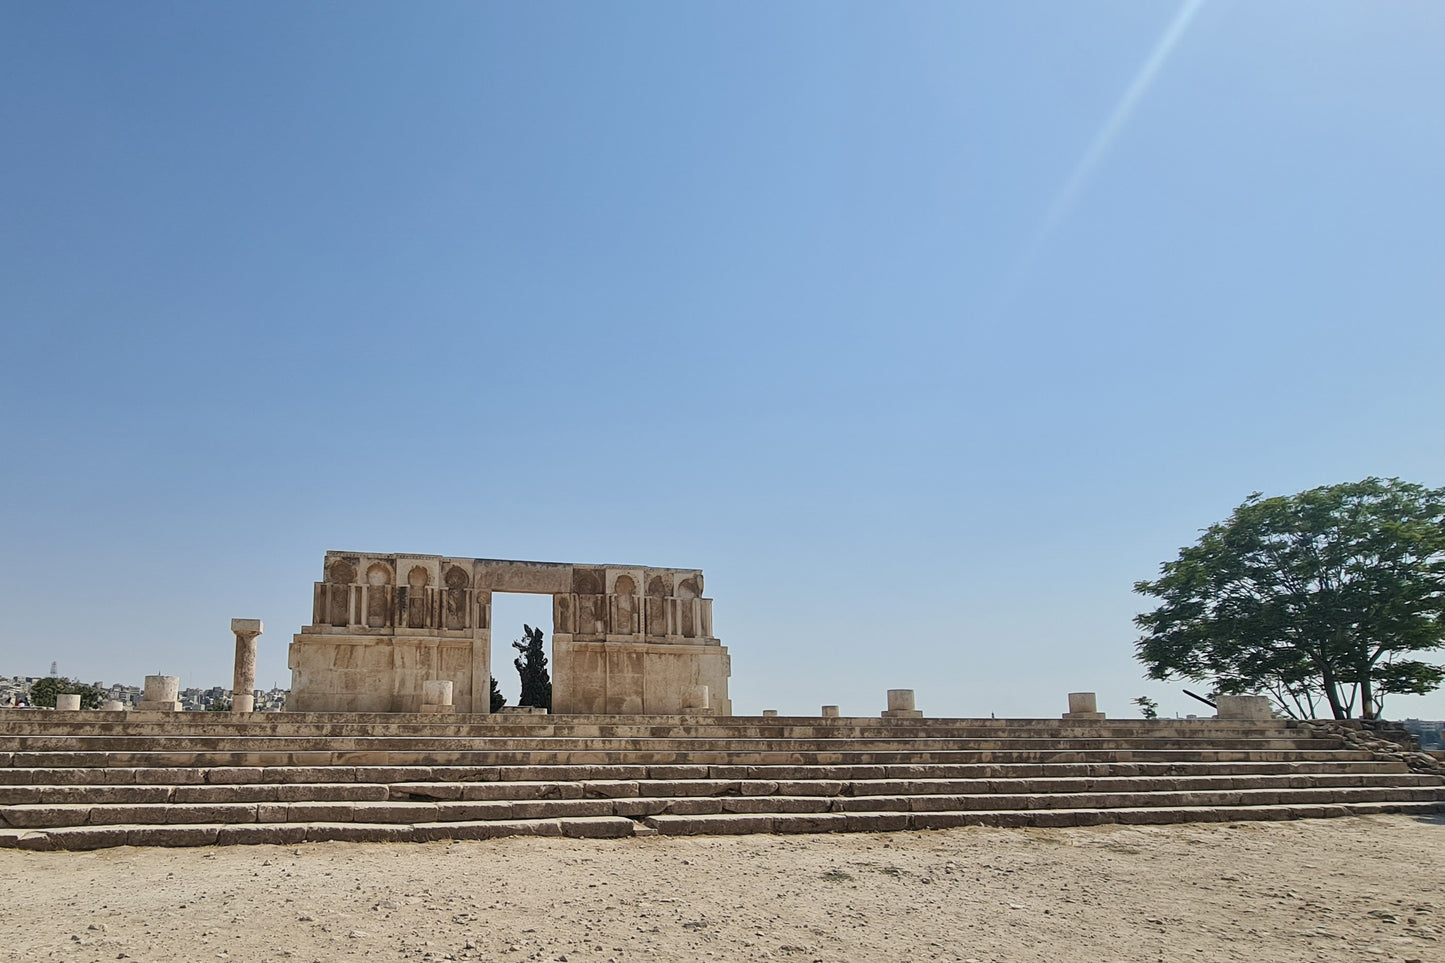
{"points": [[1340, 889]]}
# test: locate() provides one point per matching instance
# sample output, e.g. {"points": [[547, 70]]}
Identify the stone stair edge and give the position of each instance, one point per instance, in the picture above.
{"points": [[72, 815], [560, 757], [84, 744], [623, 719], [583, 827], [646, 787]]}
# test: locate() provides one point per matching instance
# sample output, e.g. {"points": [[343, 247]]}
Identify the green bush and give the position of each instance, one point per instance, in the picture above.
{"points": [[44, 691]]}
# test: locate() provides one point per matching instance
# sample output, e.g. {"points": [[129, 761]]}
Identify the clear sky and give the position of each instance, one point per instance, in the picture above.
{"points": [[923, 329]]}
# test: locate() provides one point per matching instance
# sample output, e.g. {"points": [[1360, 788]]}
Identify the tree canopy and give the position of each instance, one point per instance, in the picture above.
{"points": [[1324, 597], [532, 667]]}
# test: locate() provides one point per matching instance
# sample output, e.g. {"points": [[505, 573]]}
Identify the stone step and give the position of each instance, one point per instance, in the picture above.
{"points": [[702, 756], [726, 824], [292, 833], [230, 834], [47, 816], [221, 724], [89, 780], [186, 743], [190, 775], [689, 719], [643, 787]]}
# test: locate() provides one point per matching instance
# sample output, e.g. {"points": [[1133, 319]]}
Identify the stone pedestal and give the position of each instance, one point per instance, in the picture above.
{"points": [[67, 703], [830, 712], [696, 698], [900, 705], [162, 694], [1083, 705], [113, 705], [1244, 708], [243, 681], [770, 713]]}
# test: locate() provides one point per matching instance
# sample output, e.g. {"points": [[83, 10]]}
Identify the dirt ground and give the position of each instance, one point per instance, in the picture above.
{"points": [[1352, 889]]}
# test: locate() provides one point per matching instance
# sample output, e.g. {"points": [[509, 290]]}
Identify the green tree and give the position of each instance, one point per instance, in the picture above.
{"points": [[498, 700], [532, 667], [1324, 596], [43, 692], [1148, 708]]}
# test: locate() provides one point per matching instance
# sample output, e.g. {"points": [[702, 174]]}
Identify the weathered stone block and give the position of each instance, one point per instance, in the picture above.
{"points": [[596, 827], [88, 837], [172, 836], [264, 834], [1250, 708], [357, 833]]}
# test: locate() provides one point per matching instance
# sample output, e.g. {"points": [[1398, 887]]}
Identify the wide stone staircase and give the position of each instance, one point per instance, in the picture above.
{"points": [[87, 780]]}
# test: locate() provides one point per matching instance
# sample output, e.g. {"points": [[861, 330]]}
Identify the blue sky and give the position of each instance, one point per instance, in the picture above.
{"points": [[867, 310]]}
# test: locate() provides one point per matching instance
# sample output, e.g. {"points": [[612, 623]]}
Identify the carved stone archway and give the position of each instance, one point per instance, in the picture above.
{"points": [[625, 638]]}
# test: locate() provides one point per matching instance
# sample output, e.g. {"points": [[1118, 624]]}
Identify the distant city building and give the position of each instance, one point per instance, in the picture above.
{"points": [[1430, 733]]}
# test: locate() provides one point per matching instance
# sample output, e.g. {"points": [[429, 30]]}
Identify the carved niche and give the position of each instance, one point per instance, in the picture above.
{"points": [[378, 595], [687, 590], [591, 603], [339, 577], [417, 581], [656, 606], [456, 603], [624, 606]]}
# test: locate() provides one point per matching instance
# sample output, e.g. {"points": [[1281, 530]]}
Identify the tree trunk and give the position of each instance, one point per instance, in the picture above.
{"points": [[1332, 693], [1367, 696]]}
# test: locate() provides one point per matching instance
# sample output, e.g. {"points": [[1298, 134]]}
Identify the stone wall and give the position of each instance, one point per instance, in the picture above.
{"points": [[625, 639]]}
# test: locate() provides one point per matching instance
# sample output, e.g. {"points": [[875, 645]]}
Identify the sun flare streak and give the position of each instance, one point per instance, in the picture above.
{"points": [[1099, 147]]}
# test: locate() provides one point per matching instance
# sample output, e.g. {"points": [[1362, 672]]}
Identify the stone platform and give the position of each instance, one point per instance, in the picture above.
{"points": [[88, 780]]}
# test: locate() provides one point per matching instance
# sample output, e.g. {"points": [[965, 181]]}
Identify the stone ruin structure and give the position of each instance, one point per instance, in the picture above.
{"points": [[626, 639]]}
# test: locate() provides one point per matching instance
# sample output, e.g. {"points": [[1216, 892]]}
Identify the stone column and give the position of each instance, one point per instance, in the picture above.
{"points": [[243, 683], [67, 703], [830, 712], [900, 705], [161, 694]]}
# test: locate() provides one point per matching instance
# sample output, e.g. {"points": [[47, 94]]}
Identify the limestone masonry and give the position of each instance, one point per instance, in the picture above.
{"points": [[625, 639]]}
